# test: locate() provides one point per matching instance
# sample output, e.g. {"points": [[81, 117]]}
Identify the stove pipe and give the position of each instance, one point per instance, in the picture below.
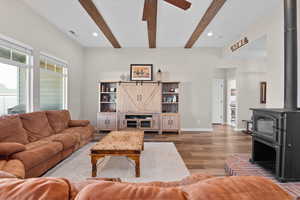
{"points": [[291, 55]]}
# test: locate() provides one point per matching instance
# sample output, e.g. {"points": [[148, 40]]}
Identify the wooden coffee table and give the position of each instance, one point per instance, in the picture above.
{"points": [[119, 143]]}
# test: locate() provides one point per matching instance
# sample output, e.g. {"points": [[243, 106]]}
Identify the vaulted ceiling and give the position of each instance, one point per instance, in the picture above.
{"points": [[174, 26]]}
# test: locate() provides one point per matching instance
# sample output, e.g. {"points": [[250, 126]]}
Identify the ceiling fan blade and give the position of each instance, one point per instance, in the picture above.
{"points": [[183, 4]]}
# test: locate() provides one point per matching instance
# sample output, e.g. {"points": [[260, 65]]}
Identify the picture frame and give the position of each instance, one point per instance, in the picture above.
{"points": [[141, 72], [263, 92]]}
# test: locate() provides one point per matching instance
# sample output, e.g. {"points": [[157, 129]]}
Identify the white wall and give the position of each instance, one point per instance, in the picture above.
{"points": [[273, 28], [19, 22], [194, 68], [249, 76]]}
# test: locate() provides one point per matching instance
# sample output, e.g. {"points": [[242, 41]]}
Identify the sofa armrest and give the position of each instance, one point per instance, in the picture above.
{"points": [[9, 148], [78, 123]]}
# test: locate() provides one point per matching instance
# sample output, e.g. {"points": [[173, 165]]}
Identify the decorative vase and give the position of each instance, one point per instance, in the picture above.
{"points": [[159, 75]]}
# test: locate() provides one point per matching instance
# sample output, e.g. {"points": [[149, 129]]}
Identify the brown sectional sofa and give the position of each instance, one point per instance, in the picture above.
{"points": [[32, 143], [196, 187]]}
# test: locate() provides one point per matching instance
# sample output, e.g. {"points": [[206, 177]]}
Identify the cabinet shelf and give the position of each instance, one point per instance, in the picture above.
{"points": [[170, 93], [108, 92], [170, 103]]}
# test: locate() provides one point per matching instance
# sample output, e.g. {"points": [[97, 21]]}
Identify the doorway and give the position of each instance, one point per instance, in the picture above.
{"points": [[231, 103], [218, 101]]}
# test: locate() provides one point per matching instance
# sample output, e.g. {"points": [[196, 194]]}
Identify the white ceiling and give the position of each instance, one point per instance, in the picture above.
{"points": [[175, 26]]}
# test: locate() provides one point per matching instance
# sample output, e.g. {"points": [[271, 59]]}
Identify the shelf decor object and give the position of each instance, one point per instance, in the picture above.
{"points": [[141, 72]]}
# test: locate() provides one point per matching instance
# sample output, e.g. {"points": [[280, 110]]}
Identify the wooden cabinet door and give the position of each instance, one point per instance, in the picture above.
{"points": [[107, 121], [121, 121], [174, 122], [156, 121], [150, 98], [128, 98], [111, 121], [170, 122]]}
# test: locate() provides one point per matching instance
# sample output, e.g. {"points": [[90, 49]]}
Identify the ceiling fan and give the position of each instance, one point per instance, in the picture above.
{"points": [[182, 4]]}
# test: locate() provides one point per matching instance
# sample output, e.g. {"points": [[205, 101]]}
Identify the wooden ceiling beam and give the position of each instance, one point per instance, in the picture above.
{"points": [[152, 23], [95, 14], [209, 15], [183, 4], [146, 10]]}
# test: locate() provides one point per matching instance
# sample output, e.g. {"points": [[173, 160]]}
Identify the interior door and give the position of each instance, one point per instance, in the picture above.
{"points": [[218, 101]]}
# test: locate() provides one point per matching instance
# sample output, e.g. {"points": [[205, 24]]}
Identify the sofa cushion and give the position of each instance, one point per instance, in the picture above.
{"points": [[107, 190], [36, 144], [8, 148], [12, 130], [36, 125], [66, 140], [186, 181], [14, 167], [84, 132], [236, 188], [34, 189], [78, 123], [35, 156], [58, 119], [76, 187]]}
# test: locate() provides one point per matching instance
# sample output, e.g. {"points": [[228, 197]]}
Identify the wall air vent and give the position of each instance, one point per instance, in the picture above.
{"points": [[73, 33]]}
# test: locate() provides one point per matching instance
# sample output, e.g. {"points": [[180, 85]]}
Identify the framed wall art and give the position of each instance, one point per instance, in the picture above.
{"points": [[141, 72], [263, 92]]}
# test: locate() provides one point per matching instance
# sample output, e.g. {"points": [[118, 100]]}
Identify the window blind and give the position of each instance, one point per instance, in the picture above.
{"points": [[53, 83]]}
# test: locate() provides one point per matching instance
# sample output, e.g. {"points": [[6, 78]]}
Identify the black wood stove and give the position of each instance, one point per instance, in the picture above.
{"points": [[276, 132]]}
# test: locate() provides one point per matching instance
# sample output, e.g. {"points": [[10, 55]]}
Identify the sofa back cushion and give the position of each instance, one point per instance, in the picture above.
{"points": [[58, 119], [11, 130], [236, 188], [36, 125], [36, 188], [109, 190]]}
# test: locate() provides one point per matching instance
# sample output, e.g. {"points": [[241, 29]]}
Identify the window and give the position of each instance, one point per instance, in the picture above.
{"points": [[53, 83], [15, 67]]}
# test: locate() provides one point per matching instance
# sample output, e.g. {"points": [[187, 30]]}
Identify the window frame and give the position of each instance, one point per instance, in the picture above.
{"points": [[28, 52]]}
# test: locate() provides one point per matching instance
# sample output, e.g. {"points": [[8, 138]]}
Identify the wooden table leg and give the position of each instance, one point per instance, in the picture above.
{"points": [[94, 160], [136, 159]]}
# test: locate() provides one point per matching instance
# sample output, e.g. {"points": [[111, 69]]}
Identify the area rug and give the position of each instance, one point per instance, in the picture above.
{"points": [[239, 165], [159, 162]]}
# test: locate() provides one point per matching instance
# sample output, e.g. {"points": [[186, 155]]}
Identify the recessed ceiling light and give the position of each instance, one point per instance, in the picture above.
{"points": [[210, 33], [95, 34]]}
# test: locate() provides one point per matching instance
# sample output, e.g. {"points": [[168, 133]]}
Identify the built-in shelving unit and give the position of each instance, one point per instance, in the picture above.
{"points": [[107, 111], [148, 106], [108, 96], [170, 97]]}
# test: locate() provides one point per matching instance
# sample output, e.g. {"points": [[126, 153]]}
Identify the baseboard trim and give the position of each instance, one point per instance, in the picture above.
{"points": [[197, 129], [239, 129]]}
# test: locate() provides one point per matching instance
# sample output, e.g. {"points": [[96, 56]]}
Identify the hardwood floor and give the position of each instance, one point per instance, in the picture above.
{"points": [[206, 152]]}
